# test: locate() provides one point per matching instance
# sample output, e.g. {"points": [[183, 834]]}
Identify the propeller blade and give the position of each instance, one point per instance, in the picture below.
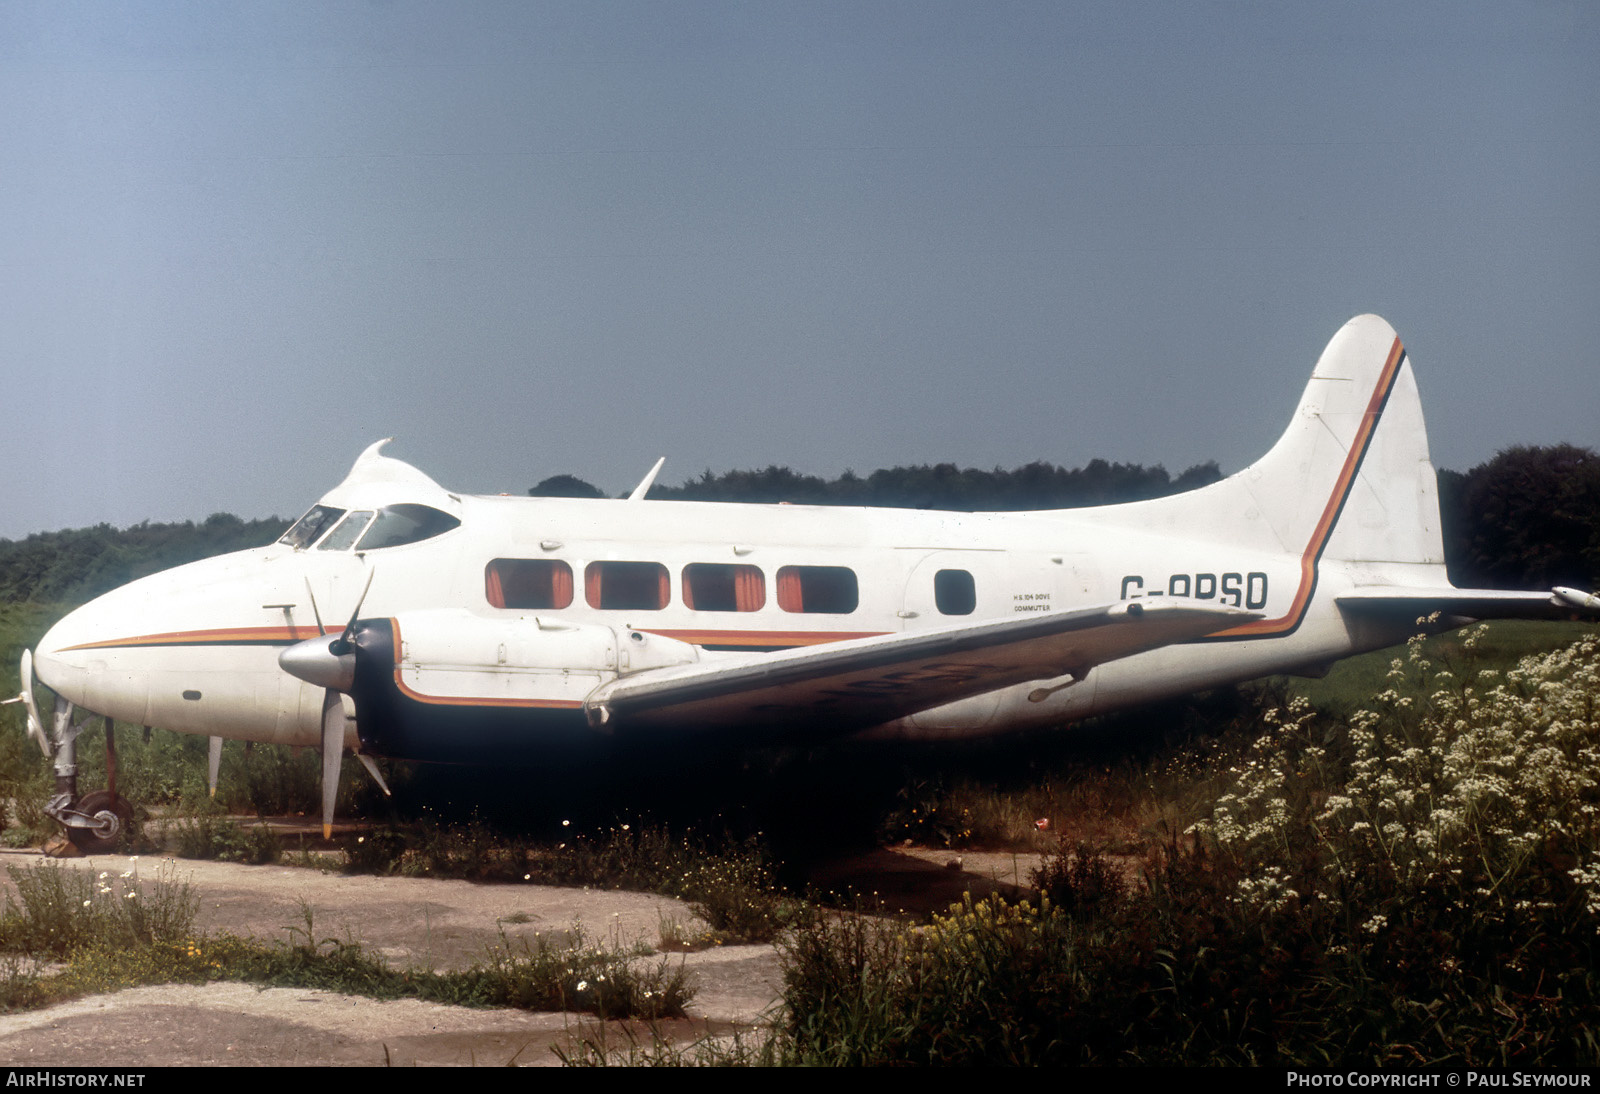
{"points": [[314, 613], [214, 763], [35, 723], [342, 645], [333, 727], [377, 776]]}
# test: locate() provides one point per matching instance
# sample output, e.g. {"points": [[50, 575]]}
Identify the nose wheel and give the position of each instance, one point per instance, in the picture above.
{"points": [[106, 818]]}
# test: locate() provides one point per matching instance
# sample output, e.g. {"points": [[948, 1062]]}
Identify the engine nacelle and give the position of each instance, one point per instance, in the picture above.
{"points": [[456, 656], [452, 686]]}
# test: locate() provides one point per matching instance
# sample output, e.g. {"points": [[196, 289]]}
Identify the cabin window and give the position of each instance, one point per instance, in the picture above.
{"points": [[827, 590], [954, 592], [528, 584], [351, 527], [309, 528], [720, 587], [626, 585], [398, 525]]}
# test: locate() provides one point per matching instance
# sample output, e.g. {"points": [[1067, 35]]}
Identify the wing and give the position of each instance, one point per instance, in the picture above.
{"points": [[847, 686]]}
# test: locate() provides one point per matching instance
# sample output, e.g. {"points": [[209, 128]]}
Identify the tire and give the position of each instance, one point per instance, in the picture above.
{"points": [[114, 819]]}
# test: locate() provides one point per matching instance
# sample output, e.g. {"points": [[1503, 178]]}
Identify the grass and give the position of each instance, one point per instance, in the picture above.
{"points": [[728, 883], [1351, 683], [114, 931], [58, 910], [203, 832]]}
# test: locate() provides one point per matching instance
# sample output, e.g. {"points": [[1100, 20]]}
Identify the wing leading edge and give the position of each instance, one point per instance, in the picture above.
{"points": [[847, 686]]}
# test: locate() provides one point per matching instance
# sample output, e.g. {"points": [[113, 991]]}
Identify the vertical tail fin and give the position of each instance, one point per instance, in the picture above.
{"points": [[1349, 479]]}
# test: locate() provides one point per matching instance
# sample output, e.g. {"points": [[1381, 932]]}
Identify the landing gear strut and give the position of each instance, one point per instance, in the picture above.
{"points": [[97, 822]]}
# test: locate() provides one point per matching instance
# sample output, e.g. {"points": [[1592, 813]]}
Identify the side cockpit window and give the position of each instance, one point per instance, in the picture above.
{"points": [[309, 528], [398, 525]]}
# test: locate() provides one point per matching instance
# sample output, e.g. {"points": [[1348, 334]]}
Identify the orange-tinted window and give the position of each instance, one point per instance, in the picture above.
{"points": [[722, 587], [827, 590], [528, 584], [627, 585]]}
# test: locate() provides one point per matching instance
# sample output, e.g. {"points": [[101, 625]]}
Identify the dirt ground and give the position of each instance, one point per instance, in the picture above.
{"points": [[427, 923]]}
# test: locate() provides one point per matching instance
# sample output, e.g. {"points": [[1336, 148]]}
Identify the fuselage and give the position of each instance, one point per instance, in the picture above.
{"points": [[489, 626], [195, 649]]}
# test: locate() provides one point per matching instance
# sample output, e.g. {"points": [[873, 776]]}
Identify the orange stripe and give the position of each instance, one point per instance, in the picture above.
{"points": [[216, 636], [1330, 512]]}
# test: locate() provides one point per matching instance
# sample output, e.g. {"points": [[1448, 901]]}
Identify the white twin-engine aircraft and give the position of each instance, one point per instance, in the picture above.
{"points": [[494, 630]]}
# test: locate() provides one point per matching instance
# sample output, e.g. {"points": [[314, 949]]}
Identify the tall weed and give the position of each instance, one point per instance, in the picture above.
{"points": [[57, 909]]}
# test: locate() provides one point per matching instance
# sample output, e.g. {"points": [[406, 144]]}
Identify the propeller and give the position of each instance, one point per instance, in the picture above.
{"points": [[25, 697], [329, 662]]}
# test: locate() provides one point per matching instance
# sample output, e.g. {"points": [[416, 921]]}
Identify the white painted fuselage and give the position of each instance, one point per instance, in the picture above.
{"points": [[513, 603]]}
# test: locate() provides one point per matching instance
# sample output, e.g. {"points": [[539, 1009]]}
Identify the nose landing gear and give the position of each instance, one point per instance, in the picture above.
{"points": [[97, 822]]}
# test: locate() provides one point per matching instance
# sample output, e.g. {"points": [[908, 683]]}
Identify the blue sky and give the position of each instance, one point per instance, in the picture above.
{"points": [[245, 240]]}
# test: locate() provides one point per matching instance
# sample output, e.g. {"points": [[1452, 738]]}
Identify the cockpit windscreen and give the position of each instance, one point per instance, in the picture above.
{"points": [[398, 525], [350, 528], [309, 528]]}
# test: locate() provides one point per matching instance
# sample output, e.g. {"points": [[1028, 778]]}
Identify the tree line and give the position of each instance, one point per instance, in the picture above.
{"points": [[1529, 518], [928, 486], [78, 564]]}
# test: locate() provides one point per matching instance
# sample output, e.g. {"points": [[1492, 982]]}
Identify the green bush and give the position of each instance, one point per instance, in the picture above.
{"points": [[380, 851], [206, 834], [729, 883]]}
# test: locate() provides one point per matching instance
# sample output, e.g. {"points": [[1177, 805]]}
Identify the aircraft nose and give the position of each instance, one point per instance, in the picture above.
{"points": [[56, 662], [68, 659], [193, 649]]}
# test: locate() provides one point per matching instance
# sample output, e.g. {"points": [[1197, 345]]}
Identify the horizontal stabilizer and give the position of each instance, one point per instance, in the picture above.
{"points": [[841, 687], [1417, 603]]}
